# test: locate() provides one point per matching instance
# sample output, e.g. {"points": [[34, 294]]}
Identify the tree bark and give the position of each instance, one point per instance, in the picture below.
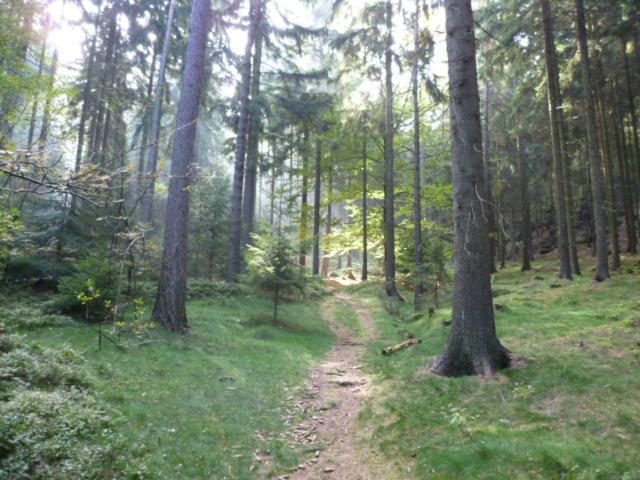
{"points": [[473, 346], [486, 157], [365, 253], [251, 175], [527, 245], [316, 210], [304, 202], [170, 309], [235, 239], [556, 139], [420, 287], [156, 120], [599, 214], [389, 211]]}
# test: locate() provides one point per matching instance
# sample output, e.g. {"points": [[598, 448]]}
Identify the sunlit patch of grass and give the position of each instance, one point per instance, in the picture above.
{"points": [[571, 412], [201, 404]]}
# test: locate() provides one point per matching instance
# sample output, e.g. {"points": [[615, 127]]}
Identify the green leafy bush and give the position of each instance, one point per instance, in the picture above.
{"points": [[211, 289], [32, 268], [52, 425], [91, 274], [24, 317]]}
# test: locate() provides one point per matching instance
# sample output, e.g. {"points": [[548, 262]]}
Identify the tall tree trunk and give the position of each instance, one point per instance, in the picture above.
{"points": [[486, 157], [316, 210], [608, 166], [626, 182], [235, 239], [325, 258], [473, 346], [365, 253], [527, 245], [251, 175], [304, 205], [156, 121], [556, 139], [34, 108], [169, 309], [631, 106], [389, 128], [46, 113], [599, 214], [417, 195], [84, 114], [139, 187]]}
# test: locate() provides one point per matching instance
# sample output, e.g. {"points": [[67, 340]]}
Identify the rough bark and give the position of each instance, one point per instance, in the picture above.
{"points": [[593, 149], [389, 210], [420, 286], [316, 210], [251, 174], [156, 120], [527, 245], [169, 309], [486, 165], [235, 239], [473, 346], [365, 254], [304, 201], [556, 139]]}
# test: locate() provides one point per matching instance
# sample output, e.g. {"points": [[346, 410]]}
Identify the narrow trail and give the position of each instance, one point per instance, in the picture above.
{"points": [[332, 400]]}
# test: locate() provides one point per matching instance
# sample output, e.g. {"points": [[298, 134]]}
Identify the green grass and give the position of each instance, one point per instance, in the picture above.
{"points": [[572, 412], [189, 422]]}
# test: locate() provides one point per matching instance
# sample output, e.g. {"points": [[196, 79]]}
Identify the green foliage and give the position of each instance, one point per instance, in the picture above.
{"points": [[35, 267], [564, 413], [187, 422], [215, 290], [52, 424], [272, 266], [22, 316]]}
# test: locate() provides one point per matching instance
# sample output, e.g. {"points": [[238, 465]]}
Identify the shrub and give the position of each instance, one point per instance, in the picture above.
{"points": [[52, 425], [89, 270], [36, 268], [211, 289], [24, 317]]}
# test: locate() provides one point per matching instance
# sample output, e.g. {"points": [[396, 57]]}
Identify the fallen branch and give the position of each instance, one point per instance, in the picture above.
{"points": [[401, 346]]}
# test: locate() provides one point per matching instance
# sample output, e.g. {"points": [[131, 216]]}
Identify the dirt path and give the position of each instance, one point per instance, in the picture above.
{"points": [[333, 397]]}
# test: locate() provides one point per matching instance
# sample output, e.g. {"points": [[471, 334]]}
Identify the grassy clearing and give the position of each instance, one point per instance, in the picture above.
{"points": [[572, 412], [198, 406]]}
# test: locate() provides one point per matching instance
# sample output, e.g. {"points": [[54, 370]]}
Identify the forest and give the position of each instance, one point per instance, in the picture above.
{"points": [[319, 239]]}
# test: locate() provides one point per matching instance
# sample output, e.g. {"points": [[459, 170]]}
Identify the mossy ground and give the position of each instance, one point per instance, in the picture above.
{"points": [[572, 411]]}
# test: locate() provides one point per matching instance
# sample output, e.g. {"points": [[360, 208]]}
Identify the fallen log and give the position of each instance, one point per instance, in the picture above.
{"points": [[400, 346]]}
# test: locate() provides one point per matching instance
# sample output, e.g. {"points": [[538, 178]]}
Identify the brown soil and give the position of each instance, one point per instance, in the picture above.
{"points": [[333, 439]]}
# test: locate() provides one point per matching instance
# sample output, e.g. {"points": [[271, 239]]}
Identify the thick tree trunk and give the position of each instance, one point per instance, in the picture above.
{"points": [[170, 309], [420, 286], [599, 214], [235, 239], [156, 120], [251, 175], [631, 106], [473, 346], [389, 128], [316, 209], [556, 139], [527, 245]]}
